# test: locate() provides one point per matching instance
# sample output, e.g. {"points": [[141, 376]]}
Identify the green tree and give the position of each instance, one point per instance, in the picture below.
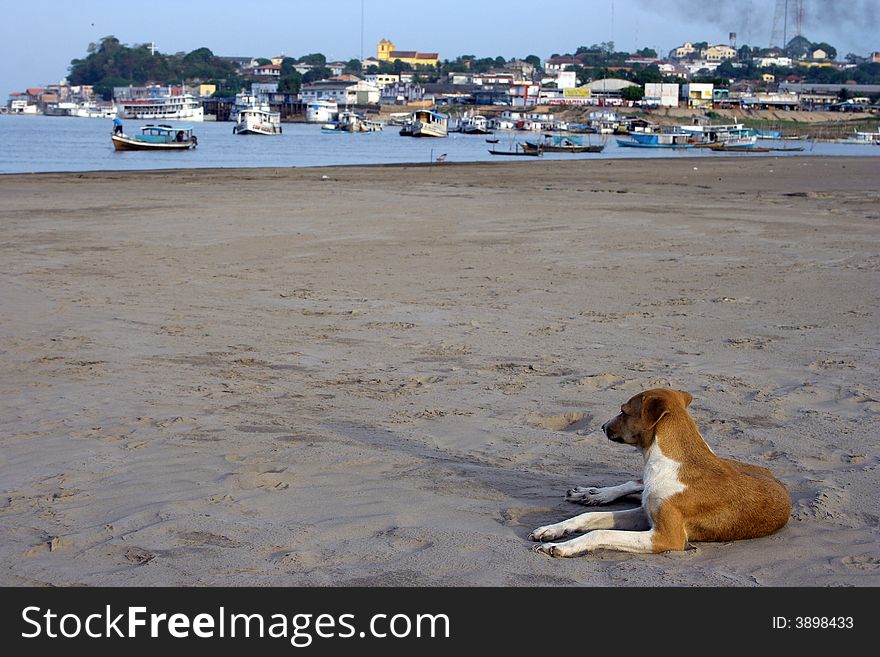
{"points": [[797, 47], [353, 65], [828, 48], [313, 59], [317, 73], [262, 61], [290, 83], [649, 74], [647, 52], [632, 93], [534, 60]]}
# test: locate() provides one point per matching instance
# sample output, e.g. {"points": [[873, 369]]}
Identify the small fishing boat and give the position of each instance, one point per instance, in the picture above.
{"points": [[563, 144], [519, 149], [162, 137], [491, 141], [727, 147], [657, 140]]}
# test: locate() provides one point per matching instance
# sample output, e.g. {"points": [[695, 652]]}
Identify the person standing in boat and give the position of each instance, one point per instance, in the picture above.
{"points": [[117, 126]]}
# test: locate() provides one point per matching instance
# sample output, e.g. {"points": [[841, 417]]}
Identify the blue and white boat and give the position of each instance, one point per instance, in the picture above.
{"points": [[657, 140]]}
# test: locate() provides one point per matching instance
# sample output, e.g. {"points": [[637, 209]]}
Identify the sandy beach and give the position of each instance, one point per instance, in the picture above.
{"points": [[391, 375]]}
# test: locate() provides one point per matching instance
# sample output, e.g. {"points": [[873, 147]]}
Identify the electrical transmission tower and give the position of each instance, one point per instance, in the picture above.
{"points": [[784, 10]]}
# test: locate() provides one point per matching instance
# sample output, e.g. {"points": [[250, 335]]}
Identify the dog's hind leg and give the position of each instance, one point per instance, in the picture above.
{"points": [[631, 519], [591, 496]]}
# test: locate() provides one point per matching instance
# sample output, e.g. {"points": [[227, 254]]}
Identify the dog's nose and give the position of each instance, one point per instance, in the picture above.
{"points": [[605, 428]]}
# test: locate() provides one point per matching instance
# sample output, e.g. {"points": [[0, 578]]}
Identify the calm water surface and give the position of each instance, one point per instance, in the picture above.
{"points": [[47, 143]]}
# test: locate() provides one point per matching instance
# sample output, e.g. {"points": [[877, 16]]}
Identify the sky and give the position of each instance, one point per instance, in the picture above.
{"points": [[39, 38]]}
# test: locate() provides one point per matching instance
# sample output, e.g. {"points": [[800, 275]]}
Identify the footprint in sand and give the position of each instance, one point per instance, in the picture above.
{"points": [[602, 381], [561, 422], [862, 562], [266, 479]]}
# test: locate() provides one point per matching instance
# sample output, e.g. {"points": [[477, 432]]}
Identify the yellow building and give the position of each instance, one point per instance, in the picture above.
{"points": [[387, 52]]}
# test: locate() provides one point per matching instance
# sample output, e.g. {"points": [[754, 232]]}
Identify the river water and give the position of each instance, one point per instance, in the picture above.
{"points": [[33, 144]]}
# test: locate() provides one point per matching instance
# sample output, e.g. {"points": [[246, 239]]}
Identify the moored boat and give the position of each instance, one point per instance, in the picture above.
{"points": [[351, 123], [425, 123], [253, 117], [162, 107], [657, 140], [519, 149], [160, 137], [563, 144], [476, 124]]}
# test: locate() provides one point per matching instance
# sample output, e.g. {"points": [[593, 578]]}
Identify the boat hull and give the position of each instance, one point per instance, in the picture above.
{"points": [[125, 143], [636, 144]]}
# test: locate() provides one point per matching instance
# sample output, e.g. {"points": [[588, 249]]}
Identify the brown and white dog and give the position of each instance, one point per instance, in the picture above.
{"points": [[688, 493]]}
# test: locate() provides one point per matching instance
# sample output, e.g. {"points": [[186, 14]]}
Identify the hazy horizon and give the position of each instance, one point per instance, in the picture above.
{"points": [[41, 39]]}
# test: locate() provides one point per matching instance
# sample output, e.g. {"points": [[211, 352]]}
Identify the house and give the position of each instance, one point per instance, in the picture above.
{"points": [[344, 89], [382, 79], [778, 60], [875, 57], [668, 70], [698, 94], [566, 80], [336, 68], [718, 53], [818, 54], [683, 51], [557, 64], [768, 77], [370, 61], [523, 94], [387, 52], [662, 94], [266, 70]]}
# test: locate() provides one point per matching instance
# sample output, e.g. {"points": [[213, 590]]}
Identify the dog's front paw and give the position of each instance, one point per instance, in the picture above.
{"points": [[546, 533], [550, 549], [587, 496]]}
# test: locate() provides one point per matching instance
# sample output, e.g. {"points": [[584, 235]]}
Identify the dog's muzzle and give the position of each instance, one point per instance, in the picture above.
{"points": [[616, 439]]}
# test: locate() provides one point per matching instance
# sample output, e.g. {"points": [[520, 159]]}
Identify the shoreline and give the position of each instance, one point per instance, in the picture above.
{"points": [[436, 165]]}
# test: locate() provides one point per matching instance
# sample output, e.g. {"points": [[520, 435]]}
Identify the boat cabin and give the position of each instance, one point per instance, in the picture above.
{"points": [[165, 134]]}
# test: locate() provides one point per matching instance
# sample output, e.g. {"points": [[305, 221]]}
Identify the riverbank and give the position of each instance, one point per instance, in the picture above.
{"points": [[390, 375]]}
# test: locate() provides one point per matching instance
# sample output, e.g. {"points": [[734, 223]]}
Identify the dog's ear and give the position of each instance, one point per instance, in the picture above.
{"points": [[654, 407], [686, 397]]}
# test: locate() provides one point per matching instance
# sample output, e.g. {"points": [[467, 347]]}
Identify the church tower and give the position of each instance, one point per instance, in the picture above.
{"points": [[383, 53]]}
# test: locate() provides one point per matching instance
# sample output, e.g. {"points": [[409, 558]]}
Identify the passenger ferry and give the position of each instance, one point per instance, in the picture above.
{"points": [[164, 107]]}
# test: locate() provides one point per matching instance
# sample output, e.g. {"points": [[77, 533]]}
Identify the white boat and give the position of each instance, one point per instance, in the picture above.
{"points": [[94, 111], [425, 123], [322, 111], [352, 122], [734, 134], [253, 117], [476, 124], [858, 137], [166, 107]]}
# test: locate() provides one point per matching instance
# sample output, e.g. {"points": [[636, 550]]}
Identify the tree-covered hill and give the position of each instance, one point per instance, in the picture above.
{"points": [[113, 64]]}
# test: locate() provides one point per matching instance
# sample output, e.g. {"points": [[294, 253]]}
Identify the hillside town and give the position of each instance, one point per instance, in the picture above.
{"points": [[694, 75]]}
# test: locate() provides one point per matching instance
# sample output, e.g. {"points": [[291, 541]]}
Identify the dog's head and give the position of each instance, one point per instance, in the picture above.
{"points": [[638, 419]]}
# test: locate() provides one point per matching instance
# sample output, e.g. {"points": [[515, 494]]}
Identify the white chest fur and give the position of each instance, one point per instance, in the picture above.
{"points": [[660, 478]]}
